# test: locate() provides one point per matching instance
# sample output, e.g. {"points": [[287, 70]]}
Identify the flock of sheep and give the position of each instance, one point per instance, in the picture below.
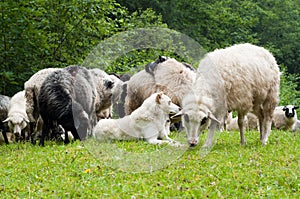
{"points": [[74, 100]]}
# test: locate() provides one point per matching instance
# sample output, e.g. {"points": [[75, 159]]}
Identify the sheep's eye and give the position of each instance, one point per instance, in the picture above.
{"points": [[203, 121], [169, 102]]}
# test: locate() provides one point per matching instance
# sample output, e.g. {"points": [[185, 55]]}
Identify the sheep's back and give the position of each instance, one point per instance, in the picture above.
{"points": [[246, 74]]}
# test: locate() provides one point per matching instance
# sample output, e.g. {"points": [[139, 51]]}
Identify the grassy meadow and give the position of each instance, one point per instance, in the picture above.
{"points": [[228, 170]]}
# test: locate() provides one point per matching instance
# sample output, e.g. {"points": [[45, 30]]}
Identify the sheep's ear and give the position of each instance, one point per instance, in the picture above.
{"points": [[109, 84], [158, 97], [212, 117], [296, 107], [177, 114], [284, 108], [6, 120], [161, 59]]}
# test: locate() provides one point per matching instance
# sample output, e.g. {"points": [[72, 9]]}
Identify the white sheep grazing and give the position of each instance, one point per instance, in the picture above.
{"points": [[240, 78], [174, 78], [285, 117], [17, 118]]}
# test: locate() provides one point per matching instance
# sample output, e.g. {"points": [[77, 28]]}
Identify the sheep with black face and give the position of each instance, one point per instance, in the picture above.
{"points": [[285, 117]]}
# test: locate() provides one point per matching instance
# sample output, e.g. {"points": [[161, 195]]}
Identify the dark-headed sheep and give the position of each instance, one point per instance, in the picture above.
{"points": [[285, 117]]}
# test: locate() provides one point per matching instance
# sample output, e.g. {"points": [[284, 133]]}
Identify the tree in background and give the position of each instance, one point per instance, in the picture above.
{"points": [[220, 23], [37, 34]]}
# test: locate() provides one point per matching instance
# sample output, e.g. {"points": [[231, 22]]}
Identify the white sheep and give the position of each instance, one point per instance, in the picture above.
{"points": [[285, 117], [17, 118], [240, 78], [174, 78]]}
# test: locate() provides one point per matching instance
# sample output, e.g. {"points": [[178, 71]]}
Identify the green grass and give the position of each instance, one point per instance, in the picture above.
{"points": [[227, 171]]}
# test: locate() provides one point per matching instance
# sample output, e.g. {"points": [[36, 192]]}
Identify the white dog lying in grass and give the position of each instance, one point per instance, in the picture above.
{"points": [[149, 122]]}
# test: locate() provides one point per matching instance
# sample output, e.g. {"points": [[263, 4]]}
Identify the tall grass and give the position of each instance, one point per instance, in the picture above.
{"points": [[227, 171]]}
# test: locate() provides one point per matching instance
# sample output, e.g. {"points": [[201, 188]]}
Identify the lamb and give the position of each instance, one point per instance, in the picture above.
{"points": [[243, 78], [4, 103], [174, 78], [17, 118], [70, 98], [285, 117], [32, 89], [150, 122]]}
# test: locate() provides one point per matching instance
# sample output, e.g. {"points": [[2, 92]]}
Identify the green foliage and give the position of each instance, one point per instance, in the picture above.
{"points": [[39, 34], [228, 171], [288, 88], [217, 24]]}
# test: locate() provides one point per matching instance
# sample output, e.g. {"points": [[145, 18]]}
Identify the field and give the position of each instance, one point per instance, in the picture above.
{"points": [[228, 170]]}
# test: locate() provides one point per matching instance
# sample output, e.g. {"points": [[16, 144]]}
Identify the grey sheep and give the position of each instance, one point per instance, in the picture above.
{"points": [[4, 103]]}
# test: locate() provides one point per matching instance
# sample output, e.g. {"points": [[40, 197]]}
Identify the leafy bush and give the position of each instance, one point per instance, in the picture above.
{"points": [[289, 84]]}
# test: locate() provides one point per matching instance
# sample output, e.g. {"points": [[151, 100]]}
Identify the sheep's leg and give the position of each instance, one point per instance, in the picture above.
{"points": [[267, 123], [45, 131], [66, 141], [213, 126], [32, 124], [241, 119], [5, 137]]}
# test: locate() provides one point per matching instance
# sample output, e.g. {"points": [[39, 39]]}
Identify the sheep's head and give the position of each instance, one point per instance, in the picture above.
{"points": [[195, 117], [17, 123], [290, 111]]}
